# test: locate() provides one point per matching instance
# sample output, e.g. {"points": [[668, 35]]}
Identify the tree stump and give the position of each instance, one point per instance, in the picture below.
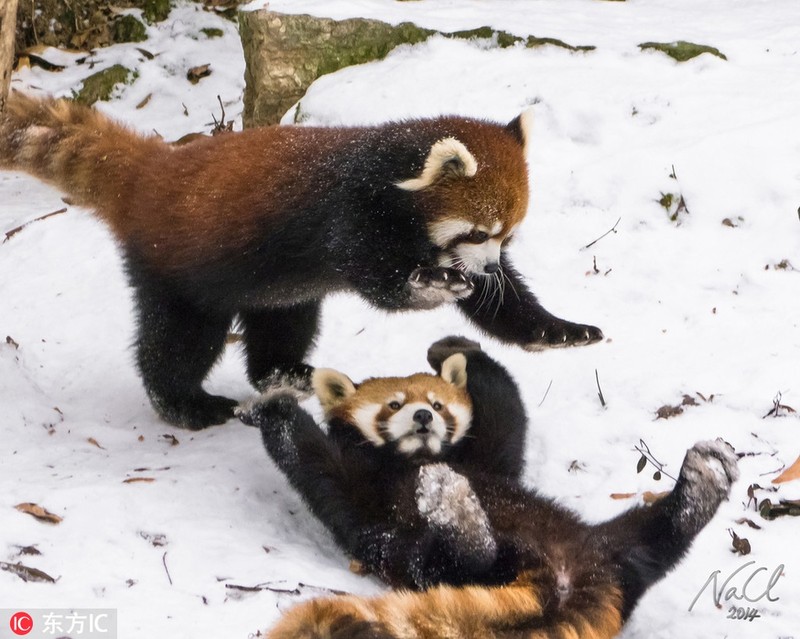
{"points": [[8, 23]]}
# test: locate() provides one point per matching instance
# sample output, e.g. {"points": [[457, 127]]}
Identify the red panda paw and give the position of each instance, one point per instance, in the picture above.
{"points": [[431, 286], [560, 334]]}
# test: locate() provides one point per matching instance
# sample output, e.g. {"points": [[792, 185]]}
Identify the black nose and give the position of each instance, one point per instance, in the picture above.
{"points": [[423, 417], [491, 267]]}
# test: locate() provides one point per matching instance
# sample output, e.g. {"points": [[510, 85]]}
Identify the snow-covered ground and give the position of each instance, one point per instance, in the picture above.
{"points": [[693, 306]]}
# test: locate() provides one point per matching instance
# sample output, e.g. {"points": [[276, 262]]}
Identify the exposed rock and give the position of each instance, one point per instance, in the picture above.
{"points": [[285, 53]]}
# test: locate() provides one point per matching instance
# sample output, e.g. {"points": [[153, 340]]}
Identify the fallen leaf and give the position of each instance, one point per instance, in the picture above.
{"points": [[144, 102], [156, 539], [622, 495], [26, 573], [790, 474], [171, 439], [740, 545], [666, 411], [28, 550], [195, 74], [749, 522], [40, 513], [94, 442], [141, 480], [650, 497]]}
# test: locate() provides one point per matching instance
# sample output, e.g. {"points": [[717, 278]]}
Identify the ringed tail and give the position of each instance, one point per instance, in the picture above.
{"points": [[514, 611], [87, 155]]}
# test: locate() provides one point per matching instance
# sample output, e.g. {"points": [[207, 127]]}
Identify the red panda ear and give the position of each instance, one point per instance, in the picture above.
{"points": [[447, 157], [521, 128], [331, 387], [454, 370]]}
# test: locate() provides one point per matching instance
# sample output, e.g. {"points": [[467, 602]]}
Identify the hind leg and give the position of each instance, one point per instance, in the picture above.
{"points": [[650, 541], [276, 340], [176, 346]]}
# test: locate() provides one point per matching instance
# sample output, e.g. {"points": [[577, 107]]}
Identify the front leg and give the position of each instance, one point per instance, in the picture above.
{"points": [[441, 536], [312, 464], [276, 340], [495, 442], [504, 307]]}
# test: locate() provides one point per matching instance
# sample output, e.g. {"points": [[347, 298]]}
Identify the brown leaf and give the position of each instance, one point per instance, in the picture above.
{"points": [[26, 573], [40, 513], [144, 102], [171, 439], [94, 442], [666, 411], [790, 474], [28, 550], [139, 480], [749, 522], [650, 497], [195, 74], [156, 539], [622, 495], [740, 545], [688, 400]]}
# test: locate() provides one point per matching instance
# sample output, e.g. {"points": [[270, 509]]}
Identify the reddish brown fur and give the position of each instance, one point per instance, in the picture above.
{"points": [[473, 612], [180, 204], [496, 181]]}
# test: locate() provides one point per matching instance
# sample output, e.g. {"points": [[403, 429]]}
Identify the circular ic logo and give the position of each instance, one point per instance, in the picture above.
{"points": [[21, 623]]}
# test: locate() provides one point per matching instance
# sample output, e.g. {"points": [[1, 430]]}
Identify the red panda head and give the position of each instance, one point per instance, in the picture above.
{"points": [[417, 415], [473, 190]]}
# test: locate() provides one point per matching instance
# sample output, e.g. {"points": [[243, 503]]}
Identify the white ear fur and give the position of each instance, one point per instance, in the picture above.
{"points": [[454, 370], [331, 387], [446, 156], [526, 124]]}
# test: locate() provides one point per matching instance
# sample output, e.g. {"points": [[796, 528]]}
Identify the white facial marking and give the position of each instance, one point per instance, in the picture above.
{"points": [[475, 256], [434, 445], [365, 418], [463, 418], [401, 428], [445, 231], [409, 445]]}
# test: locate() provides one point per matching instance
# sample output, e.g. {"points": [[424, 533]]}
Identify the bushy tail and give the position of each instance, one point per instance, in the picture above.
{"points": [[504, 612], [74, 147]]}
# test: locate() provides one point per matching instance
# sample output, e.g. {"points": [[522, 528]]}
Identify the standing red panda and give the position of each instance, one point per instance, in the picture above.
{"points": [[260, 225]]}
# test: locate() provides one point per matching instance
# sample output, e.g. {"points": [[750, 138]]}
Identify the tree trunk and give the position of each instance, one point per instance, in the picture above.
{"points": [[8, 23]]}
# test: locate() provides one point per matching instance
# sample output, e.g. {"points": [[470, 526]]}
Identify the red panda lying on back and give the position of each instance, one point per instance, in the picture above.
{"points": [[259, 226], [495, 559]]}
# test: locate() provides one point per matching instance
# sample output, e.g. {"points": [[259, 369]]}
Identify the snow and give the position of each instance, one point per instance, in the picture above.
{"points": [[688, 307]]}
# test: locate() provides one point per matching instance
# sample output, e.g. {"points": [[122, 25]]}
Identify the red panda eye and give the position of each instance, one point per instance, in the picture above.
{"points": [[479, 237], [437, 406], [394, 405]]}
